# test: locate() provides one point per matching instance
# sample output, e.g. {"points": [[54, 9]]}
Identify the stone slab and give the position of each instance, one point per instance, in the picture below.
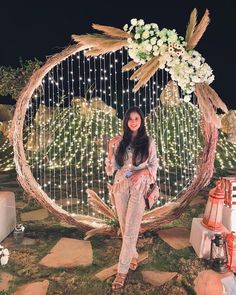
{"points": [[21, 204], [39, 214], [69, 253], [5, 279], [176, 237], [39, 288], [157, 278], [110, 271]]}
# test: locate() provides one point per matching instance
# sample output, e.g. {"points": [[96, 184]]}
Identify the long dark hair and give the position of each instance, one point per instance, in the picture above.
{"points": [[140, 143]]}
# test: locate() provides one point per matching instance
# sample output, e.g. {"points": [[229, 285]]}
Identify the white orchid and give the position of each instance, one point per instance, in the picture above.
{"points": [[4, 255]]}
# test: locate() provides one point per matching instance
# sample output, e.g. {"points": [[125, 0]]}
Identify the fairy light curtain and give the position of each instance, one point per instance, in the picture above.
{"points": [[80, 105]]}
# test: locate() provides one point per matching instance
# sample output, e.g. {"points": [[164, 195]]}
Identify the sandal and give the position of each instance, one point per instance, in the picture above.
{"points": [[119, 281], [134, 263]]}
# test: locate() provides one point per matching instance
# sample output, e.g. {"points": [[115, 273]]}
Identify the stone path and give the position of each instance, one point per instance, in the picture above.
{"points": [[157, 278], [9, 242], [36, 288], [5, 279], [176, 237], [110, 271], [39, 214], [69, 253], [20, 205]]}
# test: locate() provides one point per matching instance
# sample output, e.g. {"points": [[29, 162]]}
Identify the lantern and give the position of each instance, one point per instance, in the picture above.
{"points": [[213, 213], [229, 185], [219, 253], [231, 243]]}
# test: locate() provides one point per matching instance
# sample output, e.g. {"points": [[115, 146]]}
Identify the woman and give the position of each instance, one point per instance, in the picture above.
{"points": [[133, 156]]}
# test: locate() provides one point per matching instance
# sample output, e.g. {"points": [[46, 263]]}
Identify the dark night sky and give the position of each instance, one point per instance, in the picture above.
{"points": [[37, 29]]}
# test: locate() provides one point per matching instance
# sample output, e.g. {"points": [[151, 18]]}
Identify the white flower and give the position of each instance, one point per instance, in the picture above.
{"points": [[159, 42], [141, 22], [5, 252], [136, 36], [125, 28], [19, 227], [154, 26], [147, 27], [156, 53], [145, 34], [129, 40], [134, 21], [4, 260], [187, 98], [4, 255], [148, 47], [153, 40], [151, 33]]}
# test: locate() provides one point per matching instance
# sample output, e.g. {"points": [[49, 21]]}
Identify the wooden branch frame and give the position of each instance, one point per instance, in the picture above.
{"points": [[152, 219]]}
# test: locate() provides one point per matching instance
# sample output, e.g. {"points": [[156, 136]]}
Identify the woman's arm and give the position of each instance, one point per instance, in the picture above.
{"points": [[110, 162], [153, 162]]}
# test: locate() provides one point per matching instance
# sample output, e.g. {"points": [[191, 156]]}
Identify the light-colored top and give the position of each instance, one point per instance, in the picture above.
{"points": [[151, 163]]}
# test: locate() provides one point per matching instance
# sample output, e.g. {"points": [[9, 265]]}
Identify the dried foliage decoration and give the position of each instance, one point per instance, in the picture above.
{"points": [[113, 39], [194, 33]]}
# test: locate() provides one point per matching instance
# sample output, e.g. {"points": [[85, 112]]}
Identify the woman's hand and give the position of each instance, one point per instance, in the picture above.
{"points": [[113, 142], [137, 174]]}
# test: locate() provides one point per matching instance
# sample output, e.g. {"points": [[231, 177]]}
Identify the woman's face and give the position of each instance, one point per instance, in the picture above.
{"points": [[134, 121]]}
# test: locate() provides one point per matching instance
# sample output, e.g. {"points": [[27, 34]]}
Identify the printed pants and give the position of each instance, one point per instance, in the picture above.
{"points": [[130, 206]]}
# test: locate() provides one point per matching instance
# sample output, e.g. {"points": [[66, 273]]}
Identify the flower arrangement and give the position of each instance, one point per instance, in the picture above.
{"points": [[186, 67], [19, 227], [4, 255]]}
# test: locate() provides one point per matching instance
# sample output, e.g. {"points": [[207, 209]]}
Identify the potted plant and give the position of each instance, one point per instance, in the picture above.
{"points": [[18, 233]]}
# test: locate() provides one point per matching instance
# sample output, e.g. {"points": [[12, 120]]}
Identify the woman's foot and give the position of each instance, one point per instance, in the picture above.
{"points": [[119, 281], [134, 263]]}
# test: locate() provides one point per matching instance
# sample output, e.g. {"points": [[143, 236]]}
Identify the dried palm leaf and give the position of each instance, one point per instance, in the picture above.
{"points": [[106, 47], [158, 212], [214, 97], [89, 39], [99, 231], [138, 73], [111, 197], [199, 31], [147, 73], [206, 106], [129, 66], [99, 205], [191, 25], [94, 220], [111, 31]]}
